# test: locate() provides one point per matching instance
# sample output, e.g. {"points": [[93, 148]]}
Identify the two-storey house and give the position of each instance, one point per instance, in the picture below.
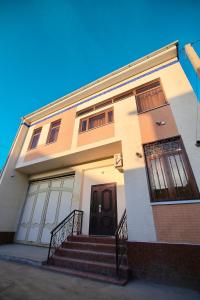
{"points": [[123, 142]]}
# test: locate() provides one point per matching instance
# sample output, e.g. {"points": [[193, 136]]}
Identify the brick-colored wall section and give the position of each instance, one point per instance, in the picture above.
{"points": [[165, 263], [6, 237], [178, 222]]}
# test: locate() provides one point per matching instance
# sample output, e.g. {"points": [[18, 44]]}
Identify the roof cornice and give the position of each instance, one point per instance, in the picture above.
{"points": [[149, 61]]}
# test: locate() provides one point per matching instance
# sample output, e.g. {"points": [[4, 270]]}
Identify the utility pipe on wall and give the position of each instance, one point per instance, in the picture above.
{"points": [[193, 57]]}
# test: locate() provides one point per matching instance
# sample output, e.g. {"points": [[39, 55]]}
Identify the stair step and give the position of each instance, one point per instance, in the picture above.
{"points": [[86, 255], [109, 248], [86, 275], [92, 239], [88, 266]]}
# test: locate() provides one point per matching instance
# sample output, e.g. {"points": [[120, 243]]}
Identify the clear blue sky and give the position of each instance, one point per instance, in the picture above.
{"points": [[49, 48]]}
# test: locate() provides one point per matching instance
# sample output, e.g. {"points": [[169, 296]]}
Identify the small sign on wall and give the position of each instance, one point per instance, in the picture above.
{"points": [[118, 161]]}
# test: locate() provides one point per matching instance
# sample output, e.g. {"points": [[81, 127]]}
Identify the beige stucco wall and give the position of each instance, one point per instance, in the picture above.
{"points": [[140, 220], [13, 187]]}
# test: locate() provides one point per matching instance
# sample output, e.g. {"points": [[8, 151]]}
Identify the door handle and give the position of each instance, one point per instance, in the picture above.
{"points": [[99, 208]]}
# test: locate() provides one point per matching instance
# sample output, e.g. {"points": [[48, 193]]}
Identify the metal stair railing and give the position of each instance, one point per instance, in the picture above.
{"points": [[71, 225], [121, 237]]}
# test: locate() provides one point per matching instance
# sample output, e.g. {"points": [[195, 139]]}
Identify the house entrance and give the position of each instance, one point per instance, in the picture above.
{"points": [[103, 209]]}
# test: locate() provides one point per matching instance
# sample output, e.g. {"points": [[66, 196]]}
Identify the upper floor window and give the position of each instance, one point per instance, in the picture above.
{"points": [[97, 120], [35, 138], [169, 172], [149, 96], [53, 132]]}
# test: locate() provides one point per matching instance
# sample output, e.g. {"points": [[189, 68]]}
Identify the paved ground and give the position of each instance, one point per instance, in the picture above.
{"points": [[22, 282], [29, 254]]}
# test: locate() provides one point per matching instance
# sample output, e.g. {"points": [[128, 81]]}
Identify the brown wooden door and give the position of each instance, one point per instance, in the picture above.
{"points": [[103, 209]]}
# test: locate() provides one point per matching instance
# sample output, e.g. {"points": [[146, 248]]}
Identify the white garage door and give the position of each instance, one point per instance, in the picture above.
{"points": [[48, 202]]}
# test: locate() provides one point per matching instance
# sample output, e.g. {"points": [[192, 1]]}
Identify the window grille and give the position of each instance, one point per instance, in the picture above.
{"points": [[169, 172], [149, 97]]}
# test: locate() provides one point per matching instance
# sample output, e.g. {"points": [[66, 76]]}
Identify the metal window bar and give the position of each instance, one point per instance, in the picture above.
{"points": [[150, 99], [172, 179]]}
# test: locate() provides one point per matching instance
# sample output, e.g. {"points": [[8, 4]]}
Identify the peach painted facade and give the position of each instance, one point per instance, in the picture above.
{"points": [[64, 139], [150, 131], [88, 157], [97, 134]]}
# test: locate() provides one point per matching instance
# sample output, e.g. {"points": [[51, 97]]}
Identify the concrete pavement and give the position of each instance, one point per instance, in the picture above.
{"points": [[23, 282]]}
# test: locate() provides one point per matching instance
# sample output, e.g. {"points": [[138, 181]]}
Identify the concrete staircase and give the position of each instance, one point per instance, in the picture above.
{"points": [[89, 257]]}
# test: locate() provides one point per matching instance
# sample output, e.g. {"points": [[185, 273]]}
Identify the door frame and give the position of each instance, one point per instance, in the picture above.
{"points": [[116, 211]]}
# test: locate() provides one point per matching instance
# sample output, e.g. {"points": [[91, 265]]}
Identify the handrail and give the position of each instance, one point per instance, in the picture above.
{"points": [[65, 219], [121, 236], [70, 225]]}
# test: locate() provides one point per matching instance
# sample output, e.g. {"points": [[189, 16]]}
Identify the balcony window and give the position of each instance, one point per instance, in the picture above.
{"points": [[53, 132], [35, 138], [149, 96], [96, 120], [169, 172]]}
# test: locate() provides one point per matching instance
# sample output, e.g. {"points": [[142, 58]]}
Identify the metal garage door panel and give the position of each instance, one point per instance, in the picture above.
{"points": [[28, 209], [65, 205], [50, 220], [36, 219], [44, 185], [48, 202], [21, 235], [52, 207], [68, 182], [56, 183], [33, 187]]}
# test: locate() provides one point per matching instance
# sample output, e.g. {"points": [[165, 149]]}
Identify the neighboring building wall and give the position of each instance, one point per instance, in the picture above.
{"points": [[13, 187]]}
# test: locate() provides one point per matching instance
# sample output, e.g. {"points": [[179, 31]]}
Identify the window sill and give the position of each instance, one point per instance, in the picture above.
{"points": [[81, 132], [32, 149], [148, 110], [176, 202], [50, 143]]}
